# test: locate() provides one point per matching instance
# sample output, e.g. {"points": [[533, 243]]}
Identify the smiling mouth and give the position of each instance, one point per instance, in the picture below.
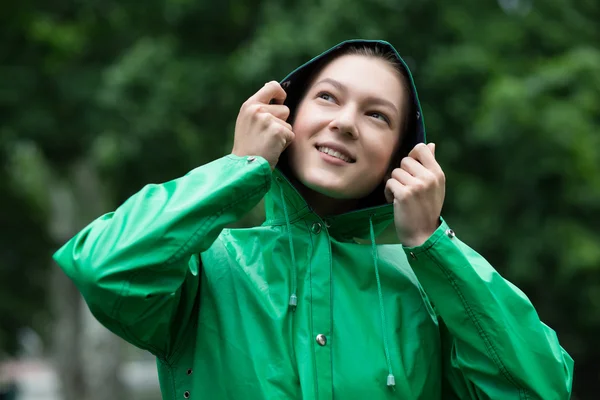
{"points": [[335, 153]]}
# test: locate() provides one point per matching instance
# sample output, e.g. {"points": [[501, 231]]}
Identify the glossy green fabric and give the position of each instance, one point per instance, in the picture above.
{"points": [[211, 303]]}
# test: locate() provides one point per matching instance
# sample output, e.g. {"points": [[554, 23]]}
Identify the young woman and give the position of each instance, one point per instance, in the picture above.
{"points": [[307, 305]]}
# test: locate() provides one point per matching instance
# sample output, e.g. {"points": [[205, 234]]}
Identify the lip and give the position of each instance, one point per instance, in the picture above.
{"points": [[332, 160], [339, 148]]}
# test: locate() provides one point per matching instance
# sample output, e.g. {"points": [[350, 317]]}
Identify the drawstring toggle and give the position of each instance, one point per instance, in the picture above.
{"points": [[391, 381], [293, 301]]}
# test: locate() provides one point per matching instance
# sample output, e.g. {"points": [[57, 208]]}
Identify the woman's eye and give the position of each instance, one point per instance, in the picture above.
{"points": [[325, 96], [380, 116]]}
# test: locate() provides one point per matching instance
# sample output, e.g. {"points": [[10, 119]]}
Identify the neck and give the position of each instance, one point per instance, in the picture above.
{"points": [[323, 205]]}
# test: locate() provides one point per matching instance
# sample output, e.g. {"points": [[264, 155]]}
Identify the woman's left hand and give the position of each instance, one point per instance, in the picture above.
{"points": [[417, 190]]}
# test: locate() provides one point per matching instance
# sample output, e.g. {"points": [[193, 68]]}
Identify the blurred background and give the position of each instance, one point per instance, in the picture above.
{"points": [[100, 97]]}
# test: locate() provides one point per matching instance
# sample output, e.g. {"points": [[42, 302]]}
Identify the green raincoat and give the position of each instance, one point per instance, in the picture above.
{"points": [[303, 306]]}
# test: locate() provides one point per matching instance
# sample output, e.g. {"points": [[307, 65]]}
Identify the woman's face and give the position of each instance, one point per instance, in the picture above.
{"points": [[347, 127]]}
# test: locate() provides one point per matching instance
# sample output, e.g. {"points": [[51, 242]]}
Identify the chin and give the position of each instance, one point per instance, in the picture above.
{"points": [[335, 187]]}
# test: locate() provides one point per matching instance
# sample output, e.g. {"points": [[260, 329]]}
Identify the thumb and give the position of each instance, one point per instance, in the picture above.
{"points": [[431, 147]]}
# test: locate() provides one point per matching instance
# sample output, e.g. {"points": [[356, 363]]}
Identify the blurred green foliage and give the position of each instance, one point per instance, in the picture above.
{"points": [[144, 93]]}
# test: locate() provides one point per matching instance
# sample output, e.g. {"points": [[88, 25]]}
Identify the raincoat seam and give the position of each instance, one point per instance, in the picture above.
{"points": [[134, 339], [338, 230], [169, 367], [170, 261], [294, 217], [472, 316], [194, 237], [125, 328], [425, 247], [172, 380], [378, 215], [178, 347]]}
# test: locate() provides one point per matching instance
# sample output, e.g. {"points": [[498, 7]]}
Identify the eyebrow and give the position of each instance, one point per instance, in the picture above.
{"points": [[371, 99]]}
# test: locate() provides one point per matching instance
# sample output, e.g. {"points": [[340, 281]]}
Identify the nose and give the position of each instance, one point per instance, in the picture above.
{"points": [[344, 122]]}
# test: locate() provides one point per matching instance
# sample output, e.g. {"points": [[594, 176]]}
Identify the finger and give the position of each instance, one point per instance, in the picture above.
{"points": [[432, 148], [282, 129], [271, 91], [277, 110], [281, 122], [289, 138], [423, 154], [394, 190], [414, 168], [404, 177]]}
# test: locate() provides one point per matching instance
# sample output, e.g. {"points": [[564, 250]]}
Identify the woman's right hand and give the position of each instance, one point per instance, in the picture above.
{"points": [[261, 128]]}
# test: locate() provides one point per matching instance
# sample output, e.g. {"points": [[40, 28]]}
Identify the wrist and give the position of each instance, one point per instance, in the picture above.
{"points": [[415, 241], [419, 238]]}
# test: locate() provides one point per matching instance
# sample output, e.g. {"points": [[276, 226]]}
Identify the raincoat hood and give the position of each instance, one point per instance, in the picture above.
{"points": [[354, 225]]}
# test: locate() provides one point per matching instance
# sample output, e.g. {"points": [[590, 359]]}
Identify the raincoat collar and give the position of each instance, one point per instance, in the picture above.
{"points": [[345, 227]]}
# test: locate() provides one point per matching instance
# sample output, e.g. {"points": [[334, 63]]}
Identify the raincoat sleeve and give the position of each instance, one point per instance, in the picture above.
{"points": [[494, 344], [137, 267]]}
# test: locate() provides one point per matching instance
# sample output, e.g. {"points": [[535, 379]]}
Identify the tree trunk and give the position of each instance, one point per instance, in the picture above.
{"points": [[87, 356]]}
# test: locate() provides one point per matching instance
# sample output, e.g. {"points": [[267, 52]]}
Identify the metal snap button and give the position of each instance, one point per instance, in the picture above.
{"points": [[316, 227], [413, 256], [450, 233], [251, 158], [189, 371], [321, 339], [186, 394]]}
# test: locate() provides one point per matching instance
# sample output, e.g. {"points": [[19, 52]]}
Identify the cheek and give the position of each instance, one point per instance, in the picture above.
{"points": [[300, 129], [380, 154], [297, 151], [303, 125]]}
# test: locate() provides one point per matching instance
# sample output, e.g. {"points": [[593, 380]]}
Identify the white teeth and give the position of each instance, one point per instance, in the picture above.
{"points": [[333, 153]]}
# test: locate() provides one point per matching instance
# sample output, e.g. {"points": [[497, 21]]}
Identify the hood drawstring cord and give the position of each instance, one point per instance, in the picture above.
{"points": [[293, 298], [391, 380]]}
